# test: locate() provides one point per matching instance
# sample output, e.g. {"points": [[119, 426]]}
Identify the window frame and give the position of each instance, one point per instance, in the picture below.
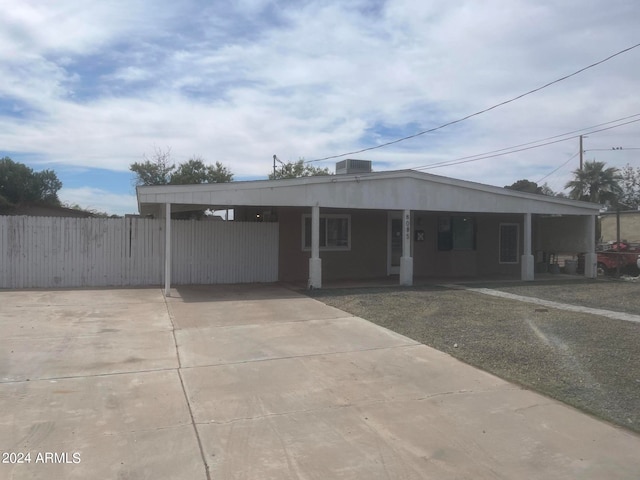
{"points": [[323, 218], [446, 236], [517, 255]]}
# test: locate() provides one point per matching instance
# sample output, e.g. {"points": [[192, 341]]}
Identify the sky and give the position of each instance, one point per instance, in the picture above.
{"points": [[88, 88]]}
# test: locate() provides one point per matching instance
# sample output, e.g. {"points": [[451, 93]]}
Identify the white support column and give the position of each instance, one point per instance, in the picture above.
{"points": [[315, 262], [527, 260], [591, 257], [406, 261], [167, 250]]}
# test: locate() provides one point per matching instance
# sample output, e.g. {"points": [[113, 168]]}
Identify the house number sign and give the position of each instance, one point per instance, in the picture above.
{"points": [[407, 226]]}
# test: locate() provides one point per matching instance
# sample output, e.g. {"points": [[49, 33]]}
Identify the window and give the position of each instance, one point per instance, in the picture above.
{"points": [[456, 233], [509, 242], [335, 232]]}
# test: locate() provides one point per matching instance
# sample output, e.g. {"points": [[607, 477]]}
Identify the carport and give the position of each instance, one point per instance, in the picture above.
{"points": [[405, 223]]}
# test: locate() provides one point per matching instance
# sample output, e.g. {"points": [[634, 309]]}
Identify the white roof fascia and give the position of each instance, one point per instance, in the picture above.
{"points": [[395, 190]]}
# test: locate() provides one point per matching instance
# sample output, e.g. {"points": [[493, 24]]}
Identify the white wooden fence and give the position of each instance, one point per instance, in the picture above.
{"points": [[86, 252]]}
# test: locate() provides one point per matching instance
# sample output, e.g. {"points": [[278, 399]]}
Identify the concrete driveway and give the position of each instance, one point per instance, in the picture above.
{"points": [[259, 382]]}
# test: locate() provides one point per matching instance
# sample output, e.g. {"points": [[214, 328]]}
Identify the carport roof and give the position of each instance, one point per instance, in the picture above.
{"points": [[393, 190]]}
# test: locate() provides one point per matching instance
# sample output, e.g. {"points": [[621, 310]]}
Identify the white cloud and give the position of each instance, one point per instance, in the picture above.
{"points": [[75, 27], [315, 79]]}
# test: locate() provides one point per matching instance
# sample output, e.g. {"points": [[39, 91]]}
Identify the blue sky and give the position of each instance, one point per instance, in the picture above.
{"points": [[88, 89]]}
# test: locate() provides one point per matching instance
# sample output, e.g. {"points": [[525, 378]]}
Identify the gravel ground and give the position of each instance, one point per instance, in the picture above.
{"points": [[587, 361], [617, 295]]}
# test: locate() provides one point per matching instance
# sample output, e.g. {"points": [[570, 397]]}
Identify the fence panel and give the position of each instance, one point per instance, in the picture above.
{"points": [[47, 252]]}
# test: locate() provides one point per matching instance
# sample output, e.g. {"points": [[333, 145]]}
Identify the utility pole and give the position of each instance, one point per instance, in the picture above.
{"points": [[618, 252], [276, 159], [581, 152]]}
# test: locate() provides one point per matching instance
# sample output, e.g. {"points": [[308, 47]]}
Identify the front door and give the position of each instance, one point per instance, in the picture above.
{"points": [[394, 243]]}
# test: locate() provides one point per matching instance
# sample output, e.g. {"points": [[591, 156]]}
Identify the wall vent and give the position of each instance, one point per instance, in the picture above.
{"points": [[351, 165]]}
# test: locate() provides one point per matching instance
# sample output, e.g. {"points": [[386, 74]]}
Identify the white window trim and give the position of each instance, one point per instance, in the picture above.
{"points": [[517, 225], [329, 249]]}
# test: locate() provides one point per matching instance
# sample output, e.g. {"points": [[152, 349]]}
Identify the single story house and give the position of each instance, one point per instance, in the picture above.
{"points": [[361, 224]]}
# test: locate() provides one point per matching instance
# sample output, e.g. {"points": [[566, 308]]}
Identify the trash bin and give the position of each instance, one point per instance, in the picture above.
{"points": [[570, 266]]}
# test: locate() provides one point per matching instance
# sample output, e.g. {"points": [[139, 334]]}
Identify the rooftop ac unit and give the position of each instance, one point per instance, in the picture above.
{"points": [[351, 165]]}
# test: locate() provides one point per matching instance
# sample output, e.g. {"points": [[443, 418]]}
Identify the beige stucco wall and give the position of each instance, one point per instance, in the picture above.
{"points": [[366, 259], [484, 260], [368, 255], [629, 227]]}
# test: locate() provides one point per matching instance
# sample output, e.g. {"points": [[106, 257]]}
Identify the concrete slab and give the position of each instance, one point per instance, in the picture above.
{"points": [[247, 343], [514, 434], [271, 385], [226, 393], [491, 434], [170, 453], [230, 293], [69, 356], [411, 440], [247, 312], [65, 333], [50, 321], [116, 426], [104, 296], [334, 443], [98, 405]]}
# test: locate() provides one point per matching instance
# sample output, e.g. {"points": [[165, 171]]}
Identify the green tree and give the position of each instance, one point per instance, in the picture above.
{"points": [[531, 187], [19, 184], [297, 169], [155, 170], [48, 184], [595, 183], [196, 171], [525, 186], [545, 189], [630, 186], [161, 170]]}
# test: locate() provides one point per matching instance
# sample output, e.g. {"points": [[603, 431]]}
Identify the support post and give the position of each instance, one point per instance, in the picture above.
{"points": [[315, 262], [167, 251], [591, 258], [527, 260], [406, 261]]}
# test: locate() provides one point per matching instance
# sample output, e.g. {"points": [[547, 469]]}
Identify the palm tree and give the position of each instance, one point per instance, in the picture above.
{"points": [[595, 183]]}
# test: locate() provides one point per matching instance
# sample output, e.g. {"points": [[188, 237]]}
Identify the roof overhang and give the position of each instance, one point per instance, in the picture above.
{"points": [[396, 190]]}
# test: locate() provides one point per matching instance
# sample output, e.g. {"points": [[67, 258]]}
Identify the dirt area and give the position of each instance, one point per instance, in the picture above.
{"points": [[587, 361]]}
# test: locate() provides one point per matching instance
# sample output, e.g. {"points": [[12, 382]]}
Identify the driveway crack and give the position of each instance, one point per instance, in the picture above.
{"points": [[184, 391]]}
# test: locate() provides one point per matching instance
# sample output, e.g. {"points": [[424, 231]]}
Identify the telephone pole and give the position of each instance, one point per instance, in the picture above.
{"points": [[276, 159], [581, 152]]}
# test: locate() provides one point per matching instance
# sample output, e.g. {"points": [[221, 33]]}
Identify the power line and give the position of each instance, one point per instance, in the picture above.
{"points": [[479, 112], [509, 149], [459, 161], [613, 149], [554, 171], [475, 158], [536, 144], [609, 128]]}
